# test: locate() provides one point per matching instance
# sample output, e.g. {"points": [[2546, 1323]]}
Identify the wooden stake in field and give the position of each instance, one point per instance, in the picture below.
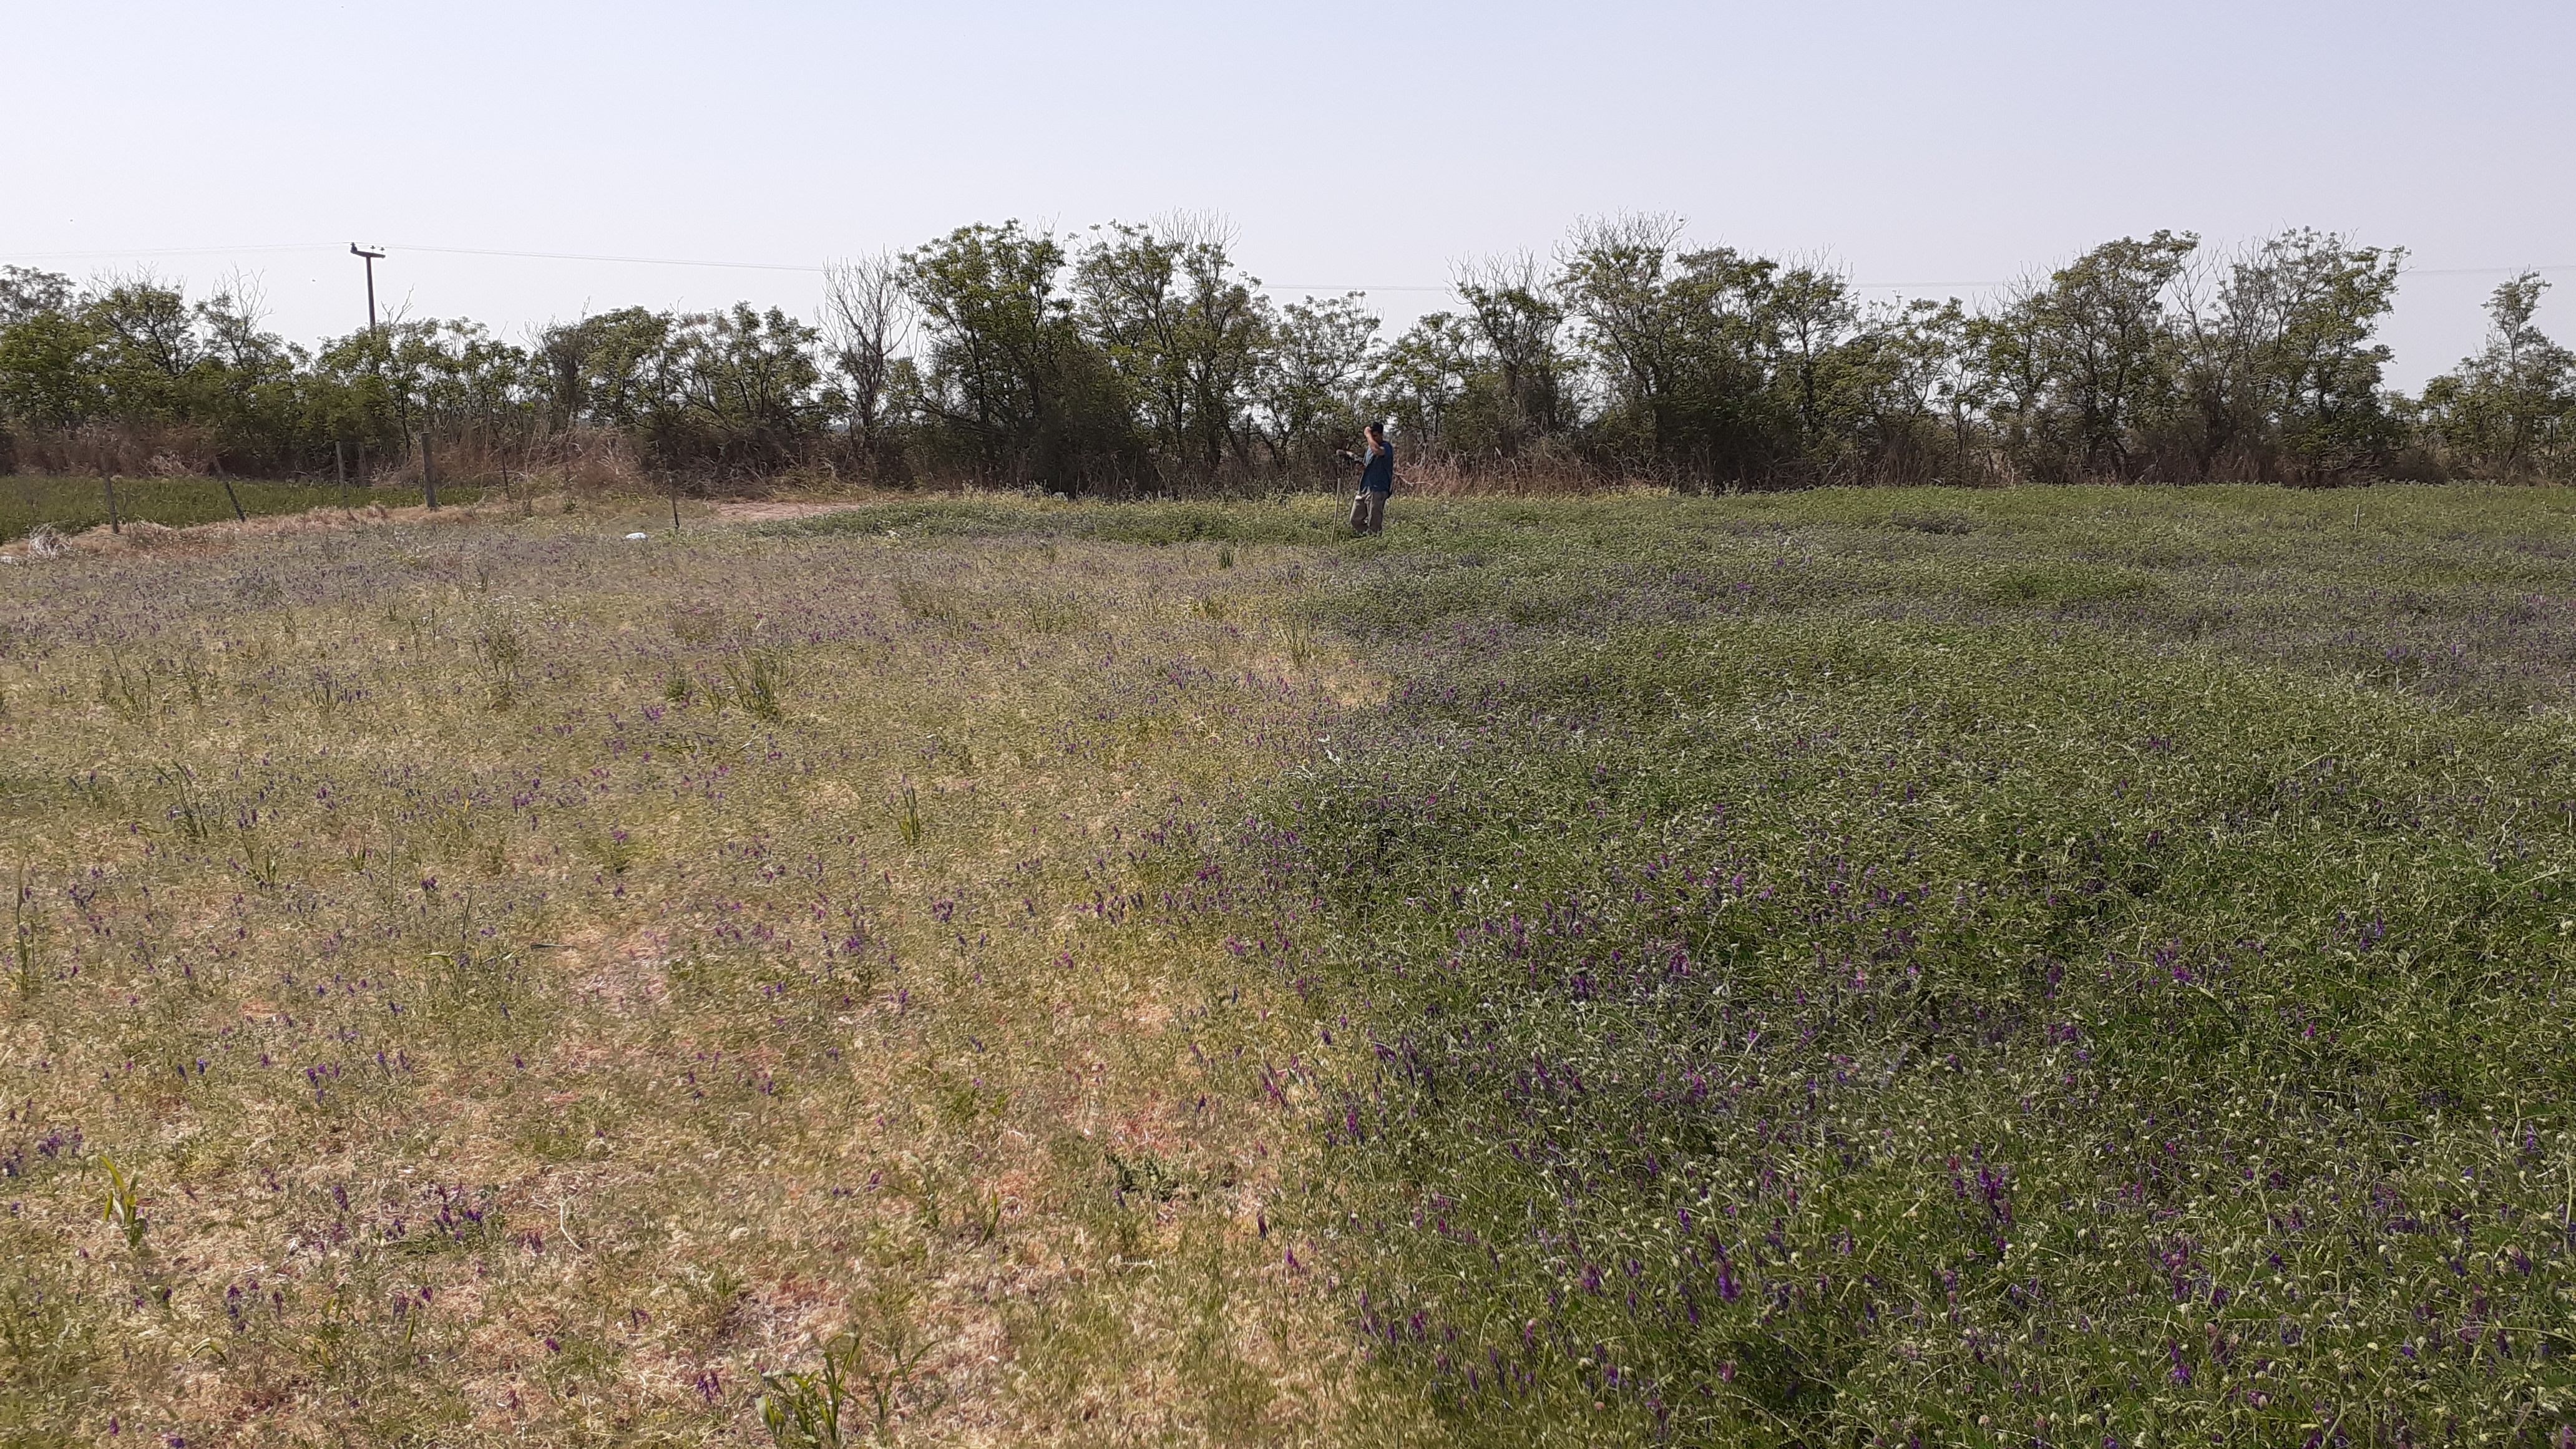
{"points": [[428, 476], [238, 515], [340, 471], [114, 524]]}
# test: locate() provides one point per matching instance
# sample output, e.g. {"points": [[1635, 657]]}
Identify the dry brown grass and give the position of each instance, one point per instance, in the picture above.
{"points": [[128, 449], [146, 537], [543, 981], [1516, 478]]}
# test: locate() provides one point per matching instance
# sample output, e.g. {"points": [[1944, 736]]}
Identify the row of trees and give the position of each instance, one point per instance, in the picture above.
{"points": [[1142, 357]]}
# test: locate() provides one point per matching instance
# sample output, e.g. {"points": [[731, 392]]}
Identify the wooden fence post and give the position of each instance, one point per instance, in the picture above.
{"points": [[114, 524], [428, 474]]}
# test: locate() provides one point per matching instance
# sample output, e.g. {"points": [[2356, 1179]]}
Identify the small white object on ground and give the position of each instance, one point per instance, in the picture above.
{"points": [[633, 536]]}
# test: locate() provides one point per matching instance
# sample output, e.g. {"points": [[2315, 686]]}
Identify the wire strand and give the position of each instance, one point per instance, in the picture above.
{"points": [[1312, 287]]}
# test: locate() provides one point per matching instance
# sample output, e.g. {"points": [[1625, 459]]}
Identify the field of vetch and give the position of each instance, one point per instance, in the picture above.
{"points": [[2036, 967]]}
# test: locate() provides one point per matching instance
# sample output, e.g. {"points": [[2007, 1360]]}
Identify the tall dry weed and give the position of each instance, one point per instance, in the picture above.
{"points": [[123, 449], [1546, 477]]}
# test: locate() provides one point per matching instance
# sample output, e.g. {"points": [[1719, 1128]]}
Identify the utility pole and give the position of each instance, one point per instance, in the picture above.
{"points": [[375, 333], [372, 258]]}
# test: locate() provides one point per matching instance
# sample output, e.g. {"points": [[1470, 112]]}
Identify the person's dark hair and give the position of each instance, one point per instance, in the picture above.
{"points": [[1377, 430]]}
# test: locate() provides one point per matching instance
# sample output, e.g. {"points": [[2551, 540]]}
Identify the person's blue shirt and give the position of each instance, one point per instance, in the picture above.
{"points": [[1379, 475]]}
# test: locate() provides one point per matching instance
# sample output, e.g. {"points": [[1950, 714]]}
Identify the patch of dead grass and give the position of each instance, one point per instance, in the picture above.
{"points": [[555, 1068]]}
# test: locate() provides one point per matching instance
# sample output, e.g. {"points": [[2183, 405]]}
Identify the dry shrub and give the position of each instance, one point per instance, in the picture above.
{"points": [[128, 449], [458, 462], [46, 541], [602, 462], [582, 461], [1450, 477], [812, 478]]}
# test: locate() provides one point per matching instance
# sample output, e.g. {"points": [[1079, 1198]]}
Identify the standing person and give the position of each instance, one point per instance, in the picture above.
{"points": [[1377, 480]]}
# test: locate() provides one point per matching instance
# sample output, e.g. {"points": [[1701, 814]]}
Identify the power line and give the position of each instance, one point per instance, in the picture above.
{"points": [[412, 247], [170, 252], [614, 258], [809, 269], [598, 257], [800, 267]]}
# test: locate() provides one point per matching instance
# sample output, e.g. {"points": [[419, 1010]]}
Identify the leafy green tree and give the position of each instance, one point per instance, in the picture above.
{"points": [[450, 381], [1809, 317], [1515, 315], [739, 393], [349, 398], [1313, 387], [747, 366], [1009, 385], [2084, 361], [1902, 401], [614, 369], [26, 292], [147, 346], [203, 379], [2008, 376], [1718, 366], [46, 376], [2104, 320], [1184, 330], [46, 381], [1616, 280], [1422, 377], [2510, 411], [440, 375], [249, 382], [2280, 374], [1724, 420]]}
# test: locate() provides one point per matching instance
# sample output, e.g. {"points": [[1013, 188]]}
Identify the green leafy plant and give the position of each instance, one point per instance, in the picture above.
{"points": [[501, 649], [188, 813], [126, 690], [984, 1216], [868, 1382], [758, 683], [123, 1206]]}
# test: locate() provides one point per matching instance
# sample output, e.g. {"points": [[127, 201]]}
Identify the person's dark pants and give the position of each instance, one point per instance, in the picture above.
{"points": [[1368, 512]]}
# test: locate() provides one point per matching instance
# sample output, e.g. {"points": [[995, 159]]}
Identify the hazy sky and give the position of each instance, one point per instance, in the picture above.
{"points": [[1354, 145]]}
